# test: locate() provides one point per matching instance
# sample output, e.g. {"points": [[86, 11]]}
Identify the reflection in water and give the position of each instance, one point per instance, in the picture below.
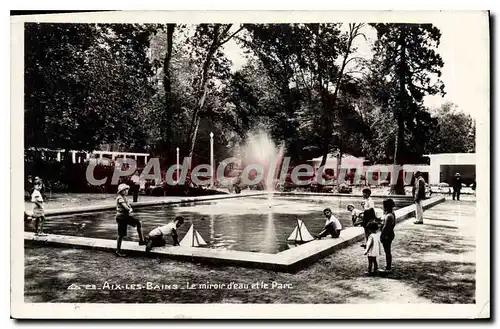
{"points": [[212, 227], [246, 224], [269, 243]]}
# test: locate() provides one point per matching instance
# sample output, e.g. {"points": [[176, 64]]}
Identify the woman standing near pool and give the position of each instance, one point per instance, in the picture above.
{"points": [[387, 231]]}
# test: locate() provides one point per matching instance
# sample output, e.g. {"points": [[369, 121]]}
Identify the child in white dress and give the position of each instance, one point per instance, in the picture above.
{"points": [[373, 248]]}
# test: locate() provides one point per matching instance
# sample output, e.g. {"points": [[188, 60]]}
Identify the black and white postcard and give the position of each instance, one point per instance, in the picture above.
{"points": [[250, 165]]}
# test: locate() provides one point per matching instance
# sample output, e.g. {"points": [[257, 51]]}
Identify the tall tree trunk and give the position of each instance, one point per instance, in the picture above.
{"points": [[326, 146], [327, 129], [195, 121], [398, 187], [353, 30], [167, 85], [289, 129], [220, 37]]}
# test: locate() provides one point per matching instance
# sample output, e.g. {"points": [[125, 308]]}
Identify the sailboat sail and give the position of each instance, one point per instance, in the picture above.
{"points": [[300, 233], [192, 238], [199, 239]]}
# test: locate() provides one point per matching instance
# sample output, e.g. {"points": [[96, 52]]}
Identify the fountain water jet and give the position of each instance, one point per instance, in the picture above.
{"points": [[260, 149]]}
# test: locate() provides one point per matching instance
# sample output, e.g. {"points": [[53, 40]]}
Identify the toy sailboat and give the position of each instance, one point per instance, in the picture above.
{"points": [[192, 238], [300, 233]]}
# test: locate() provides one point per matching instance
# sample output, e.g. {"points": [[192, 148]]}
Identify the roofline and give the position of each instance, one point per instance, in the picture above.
{"points": [[439, 154]]}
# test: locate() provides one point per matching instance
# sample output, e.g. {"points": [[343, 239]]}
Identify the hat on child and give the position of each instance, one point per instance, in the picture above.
{"points": [[122, 187]]}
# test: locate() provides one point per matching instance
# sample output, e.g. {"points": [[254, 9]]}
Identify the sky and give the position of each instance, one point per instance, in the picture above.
{"points": [[459, 48]]}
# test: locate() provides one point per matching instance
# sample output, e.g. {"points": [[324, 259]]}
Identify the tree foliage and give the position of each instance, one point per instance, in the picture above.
{"points": [[158, 87], [407, 68], [455, 131], [86, 85]]}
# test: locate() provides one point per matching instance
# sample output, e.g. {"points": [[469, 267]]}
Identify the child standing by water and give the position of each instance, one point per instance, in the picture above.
{"points": [[38, 209], [373, 248], [124, 219], [387, 232], [368, 213]]}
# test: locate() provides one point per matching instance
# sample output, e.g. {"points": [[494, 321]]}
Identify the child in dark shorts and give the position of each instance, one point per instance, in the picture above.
{"points": [[157, 237], [124, 219]]}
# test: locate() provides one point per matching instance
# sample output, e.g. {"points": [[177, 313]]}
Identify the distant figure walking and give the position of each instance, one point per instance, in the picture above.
{"points": [[135, 186], [457, 186], [419, 197]]}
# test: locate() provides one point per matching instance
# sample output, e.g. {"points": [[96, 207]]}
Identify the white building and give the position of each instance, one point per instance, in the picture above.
{"points": [[348, 161], [101, 157], [444, 166], [359, 163]]}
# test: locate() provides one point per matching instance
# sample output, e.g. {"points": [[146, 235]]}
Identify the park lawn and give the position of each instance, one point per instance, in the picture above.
{"points": [[432, 263]]}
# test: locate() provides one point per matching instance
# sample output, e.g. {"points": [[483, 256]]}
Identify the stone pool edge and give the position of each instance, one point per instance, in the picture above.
{"points": [[344, 195], [181, 200], [291, 260], [299, 260]]}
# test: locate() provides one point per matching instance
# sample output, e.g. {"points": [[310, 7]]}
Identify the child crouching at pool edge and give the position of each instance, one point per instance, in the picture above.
{"points": [[158, 236], [356, 215]]}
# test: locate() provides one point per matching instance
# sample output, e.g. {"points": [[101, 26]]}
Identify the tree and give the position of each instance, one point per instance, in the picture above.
{"points": [[407, 69], [250, 98], [302, 61], [86, 85], [127, 77], [352, 34], [167, 86], [455, 131], [207, 43], [53, 59], [280, 94], [324, 45]]}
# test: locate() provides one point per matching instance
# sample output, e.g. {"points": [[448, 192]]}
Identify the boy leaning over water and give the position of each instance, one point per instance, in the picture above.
{"points": [[356, 215], [158, 236]]}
